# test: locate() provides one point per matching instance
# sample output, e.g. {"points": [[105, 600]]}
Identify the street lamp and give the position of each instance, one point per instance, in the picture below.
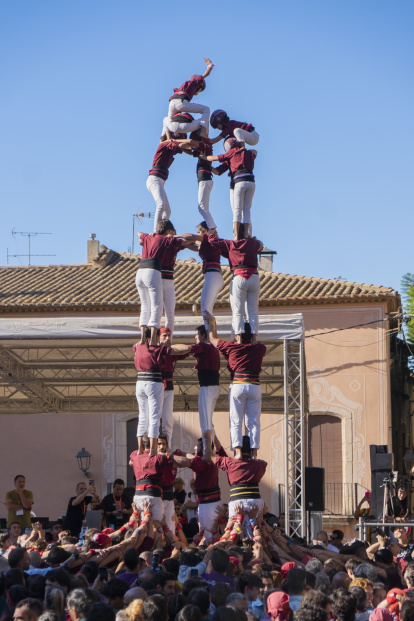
{"points": [[84, 461]]}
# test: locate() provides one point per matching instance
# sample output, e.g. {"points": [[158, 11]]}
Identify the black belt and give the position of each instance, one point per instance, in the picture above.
{"points": [[240, 491], [148, 487], [149, 376], [207, 377], [168, 492], [151, 264], [182, 97], [207, 496]]}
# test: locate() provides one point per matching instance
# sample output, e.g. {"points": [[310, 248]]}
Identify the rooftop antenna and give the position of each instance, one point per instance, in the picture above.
{"points": [[29, 235], [138, 216]]}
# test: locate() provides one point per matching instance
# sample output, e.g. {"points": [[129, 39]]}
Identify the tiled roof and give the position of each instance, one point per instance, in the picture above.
{"points": [[108, 283]]}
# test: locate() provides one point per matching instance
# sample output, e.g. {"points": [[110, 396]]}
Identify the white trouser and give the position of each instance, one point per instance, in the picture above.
{"points": [[213, 284], [167, 416], [169, 512], [244, 294], [207, 397], [149, 285], [169, 302], [178, 105], [242, 135], [242, 201], [157, 506], [150, 397], [155, 185], [206, 518], [204, 190], [245, 402], [180, 127], [247, 504]]}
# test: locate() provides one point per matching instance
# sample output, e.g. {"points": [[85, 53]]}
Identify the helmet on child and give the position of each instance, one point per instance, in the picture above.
{"points": [[218, 116]]}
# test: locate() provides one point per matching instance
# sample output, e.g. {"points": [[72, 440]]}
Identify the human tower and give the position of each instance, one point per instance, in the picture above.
{"points": [[155, 355]]}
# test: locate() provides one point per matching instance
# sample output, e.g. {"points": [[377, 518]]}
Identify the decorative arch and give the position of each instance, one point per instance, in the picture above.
{"points": [[325, 399]]}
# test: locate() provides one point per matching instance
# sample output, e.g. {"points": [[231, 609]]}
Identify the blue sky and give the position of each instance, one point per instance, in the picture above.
{"points": [[327, 84]]}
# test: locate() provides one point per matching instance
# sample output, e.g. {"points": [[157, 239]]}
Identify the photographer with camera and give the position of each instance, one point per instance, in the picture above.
{"points": [[397, 506], [76, 511]]}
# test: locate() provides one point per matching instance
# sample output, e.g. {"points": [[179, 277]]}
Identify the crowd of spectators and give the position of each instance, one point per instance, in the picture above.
{"points": [[132, 571]]}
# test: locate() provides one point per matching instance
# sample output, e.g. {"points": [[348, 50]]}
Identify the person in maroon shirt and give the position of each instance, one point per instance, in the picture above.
{"points": [[245, 285], [208, 369], [198, 144], [167, 375], [242, 132], [244, 360], [167, 278], [169, 475], [206, 487], [180, 101], [156, 275], [148, 471], [149, 362], [213, 278], [241, 164], [158, 175], [244, 475]]}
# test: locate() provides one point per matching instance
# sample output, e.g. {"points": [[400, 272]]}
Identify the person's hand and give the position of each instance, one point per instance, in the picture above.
{"points": [[91, 490], [252, 511], [147, 504], [63, 533], [207, 61]]}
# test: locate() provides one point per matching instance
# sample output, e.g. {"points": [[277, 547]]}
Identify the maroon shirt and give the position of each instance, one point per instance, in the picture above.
{"points": [[209, 254], [163, 158], [152, 359], [240, 252], [189, 88], [205, 478], [228, 129], [159, 246], [170, 253], [207, 356], [244, 359], [238, 159], [169, 368], [241, 470], [149, 467]]}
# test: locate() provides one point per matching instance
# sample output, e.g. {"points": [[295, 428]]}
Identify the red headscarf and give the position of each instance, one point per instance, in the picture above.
{"points": [[278, 605], [285, 569]]}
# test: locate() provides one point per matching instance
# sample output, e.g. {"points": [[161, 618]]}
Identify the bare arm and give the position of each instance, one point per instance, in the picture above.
{"points": [[190, 237], [209, 69], [182, 461], [180, 349], [216, 139]]}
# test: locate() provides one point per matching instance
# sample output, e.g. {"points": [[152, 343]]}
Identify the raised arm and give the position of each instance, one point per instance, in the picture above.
{"points": [[212, 328], [90, 490], [209, 69]]}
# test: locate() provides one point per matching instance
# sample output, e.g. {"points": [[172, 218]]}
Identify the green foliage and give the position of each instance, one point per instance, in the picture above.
{"points": [[407, 288]]}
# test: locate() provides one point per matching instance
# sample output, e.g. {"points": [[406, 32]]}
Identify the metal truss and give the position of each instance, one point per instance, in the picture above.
{"points": [[12, 372], [101, 377], [294, 377]]}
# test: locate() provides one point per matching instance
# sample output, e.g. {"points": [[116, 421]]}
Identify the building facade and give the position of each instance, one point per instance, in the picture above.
{"points": [[68, 379]]}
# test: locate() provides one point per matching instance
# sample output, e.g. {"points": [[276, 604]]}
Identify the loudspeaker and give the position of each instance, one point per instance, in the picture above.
{"points": [[314, 489]]}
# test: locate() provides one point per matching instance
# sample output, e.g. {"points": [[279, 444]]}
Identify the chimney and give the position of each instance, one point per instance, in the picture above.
{"points": [[266, 259], [93, 247]]}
